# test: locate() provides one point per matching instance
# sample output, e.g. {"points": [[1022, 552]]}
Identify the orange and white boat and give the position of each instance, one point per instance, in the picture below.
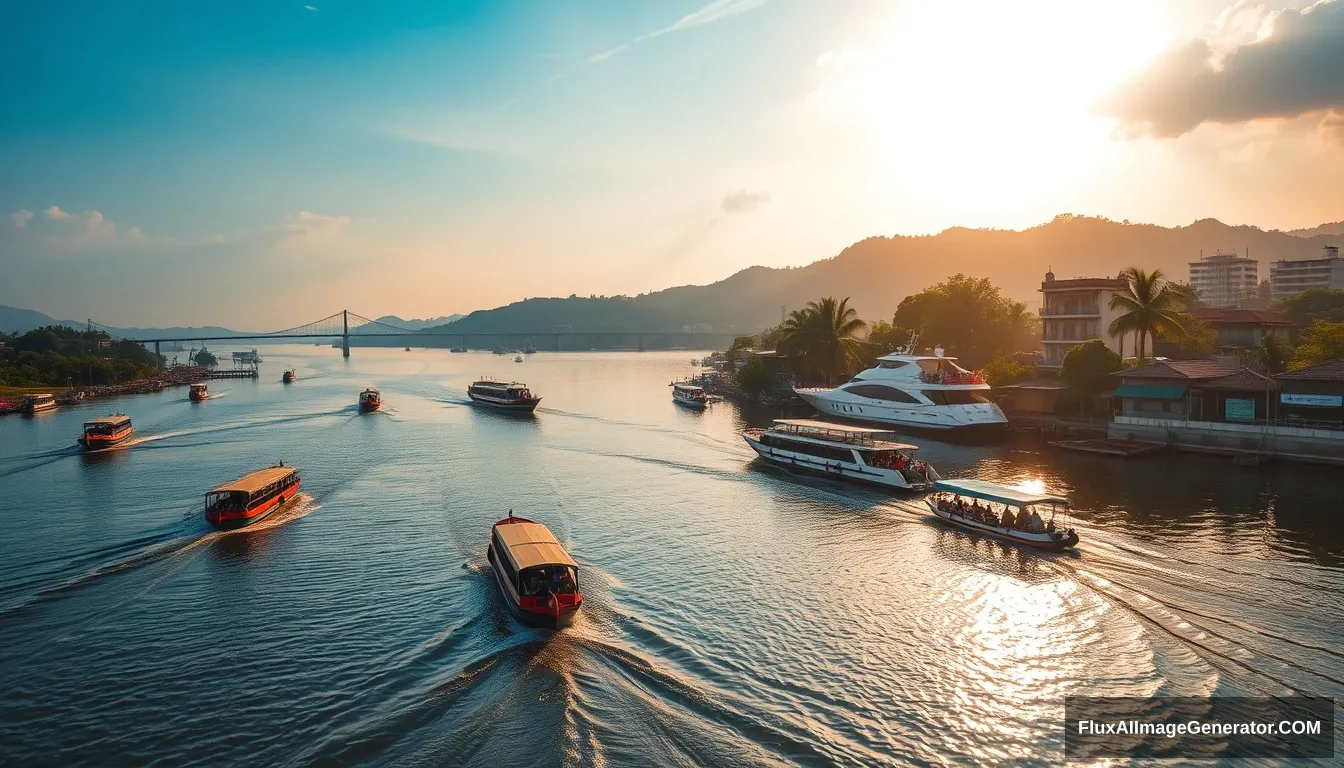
{"points": [[289, 376], [370, 400], [106, 431], [38, 403], [251, 498], [535, 574], [199, 392]]}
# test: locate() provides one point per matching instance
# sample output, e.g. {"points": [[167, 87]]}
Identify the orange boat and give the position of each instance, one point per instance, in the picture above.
{"points": [[252, 498], [535, 574], [199, 392], [370, 400], [106, 431]]}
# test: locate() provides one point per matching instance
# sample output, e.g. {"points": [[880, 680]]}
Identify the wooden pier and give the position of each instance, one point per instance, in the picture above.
{"points": [[234, 373], [1110, 446]]}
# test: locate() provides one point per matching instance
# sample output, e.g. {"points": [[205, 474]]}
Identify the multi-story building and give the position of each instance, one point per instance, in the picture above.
{"points": [[1076, 310], [1289, 277], [1225, 279]]}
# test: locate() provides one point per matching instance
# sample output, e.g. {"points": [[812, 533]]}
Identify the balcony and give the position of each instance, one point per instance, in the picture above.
{"points": [[1071, 310]]}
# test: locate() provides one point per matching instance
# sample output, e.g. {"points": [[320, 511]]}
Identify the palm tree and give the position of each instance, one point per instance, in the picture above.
{"points": [[822, 336], [1151, 306]]}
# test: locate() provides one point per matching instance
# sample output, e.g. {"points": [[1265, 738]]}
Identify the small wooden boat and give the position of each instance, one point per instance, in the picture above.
{"points": [[289, 376], [1033, 531], [370, 400], [38, 403], [498, 394], [252, 498], [106, 431], [517, 358], [690, 395], [535, 574], [199, 392], [845, 452]]}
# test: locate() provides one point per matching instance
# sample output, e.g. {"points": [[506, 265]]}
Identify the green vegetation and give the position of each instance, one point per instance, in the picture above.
{"points": [[1087, 367], [886, 338], [1325, 341], [53, 355], [1199, 338], [1152, 307], [969, 317], [1000, 372], [753, 378], [821, 337], [206, 358], [1313, 304]]}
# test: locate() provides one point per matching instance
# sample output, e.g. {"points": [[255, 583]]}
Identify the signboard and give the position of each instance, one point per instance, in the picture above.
{"points": [[105, 344], [1320, 401], [1238, 409]]}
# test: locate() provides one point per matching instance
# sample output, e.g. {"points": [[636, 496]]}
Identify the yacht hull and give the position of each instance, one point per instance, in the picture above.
{"points": [[981, 416]]}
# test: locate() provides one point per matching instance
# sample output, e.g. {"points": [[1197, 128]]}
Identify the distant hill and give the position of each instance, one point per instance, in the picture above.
{"points": [[15, 320], [414, 325], [878, 272], [1336, 229]]}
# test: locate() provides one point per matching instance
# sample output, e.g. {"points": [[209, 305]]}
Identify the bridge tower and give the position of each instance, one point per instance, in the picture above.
{"points": [[345, 333]]}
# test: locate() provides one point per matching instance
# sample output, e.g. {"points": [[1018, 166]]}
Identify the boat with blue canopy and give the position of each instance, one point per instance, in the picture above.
{"points": [[1003, 512]]}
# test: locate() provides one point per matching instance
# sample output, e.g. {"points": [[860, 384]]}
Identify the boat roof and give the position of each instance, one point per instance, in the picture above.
{"points": [[199, 384], [895, 356], [532, 544], [847, 429], [1003, 494], [116, 418], [257, 480]]}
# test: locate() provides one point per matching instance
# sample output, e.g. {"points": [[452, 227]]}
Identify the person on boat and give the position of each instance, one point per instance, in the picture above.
{"points": [[532, 586], [1036, 524], [567, 585], [1009, 519]]}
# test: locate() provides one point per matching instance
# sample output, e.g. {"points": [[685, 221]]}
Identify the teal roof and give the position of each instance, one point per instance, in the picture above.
{"points": [[1151, 391], [1003, 494]]}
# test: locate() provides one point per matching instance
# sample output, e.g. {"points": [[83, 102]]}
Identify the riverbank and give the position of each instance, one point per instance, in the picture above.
{"points": [[11, 398]]}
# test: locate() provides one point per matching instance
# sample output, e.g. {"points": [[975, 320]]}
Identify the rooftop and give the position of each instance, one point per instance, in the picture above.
{"points": [[1220, 316], [1241, 381], [1175, 369], [1075, 283], [1330, 370], [532, 544], [257, 480]]}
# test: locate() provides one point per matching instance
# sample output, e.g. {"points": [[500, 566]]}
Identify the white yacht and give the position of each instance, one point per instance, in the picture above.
{"points": [[924, 391], [859, 454]]}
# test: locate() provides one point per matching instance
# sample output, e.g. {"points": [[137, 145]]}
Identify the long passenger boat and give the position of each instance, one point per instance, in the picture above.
{"points": [[1018, 520], [690, 395], [508, 396], [252, 498], [106, 431], [859, 454], [39, 403], [535, 574]]}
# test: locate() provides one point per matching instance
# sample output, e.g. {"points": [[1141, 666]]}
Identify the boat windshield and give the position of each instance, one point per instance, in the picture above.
{"points": [[549, 579]]}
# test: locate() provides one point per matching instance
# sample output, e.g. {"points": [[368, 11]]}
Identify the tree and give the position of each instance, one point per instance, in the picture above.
{"points": [[821, 337], [1313, 304], [1000, 372], [885, 338], [1200, 338], [970, 317], [739, 344], [753, 377], [205, 358], [1270, 356], [1325, 341], [1151, 306], [1088, 366]]}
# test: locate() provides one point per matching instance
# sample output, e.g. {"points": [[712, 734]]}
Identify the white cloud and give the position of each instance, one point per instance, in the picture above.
{"points": [[707, 14], [744, 201], [92, 231], [55, 213], [21, 218]]}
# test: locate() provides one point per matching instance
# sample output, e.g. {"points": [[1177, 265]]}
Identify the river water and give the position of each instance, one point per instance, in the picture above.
{"points": [[734, 615]]}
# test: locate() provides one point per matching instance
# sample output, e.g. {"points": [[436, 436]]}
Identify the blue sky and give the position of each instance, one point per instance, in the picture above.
{"points": [[254, 163]]}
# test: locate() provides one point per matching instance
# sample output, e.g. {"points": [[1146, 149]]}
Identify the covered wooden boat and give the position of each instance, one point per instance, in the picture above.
{"points": [[252, 498], [38, 403], [106, 431], [535, 574], [508, 396], [199, 392], [289, 376], [370, 400], [1002, 512]]}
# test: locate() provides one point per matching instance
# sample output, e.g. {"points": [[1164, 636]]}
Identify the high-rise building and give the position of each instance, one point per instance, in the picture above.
{"points": [[1225, 279], [1076, 310], [1289, 277]]}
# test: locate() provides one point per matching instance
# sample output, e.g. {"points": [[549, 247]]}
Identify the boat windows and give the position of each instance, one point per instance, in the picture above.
{"points": [[881, 392], [893, 363], [549, 579], [812, 449], [885, 459], [954, 396]]}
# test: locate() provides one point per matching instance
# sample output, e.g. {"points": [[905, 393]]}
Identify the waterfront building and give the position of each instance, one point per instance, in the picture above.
{"points": [[1225, 279], [1076, 310], [1313, 395], [1290, 277], [1244, 327]]}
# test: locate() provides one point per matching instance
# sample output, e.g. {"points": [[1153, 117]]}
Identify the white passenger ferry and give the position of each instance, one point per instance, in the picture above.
{"points": [[690, 395], [508, 396], [860, 454]]}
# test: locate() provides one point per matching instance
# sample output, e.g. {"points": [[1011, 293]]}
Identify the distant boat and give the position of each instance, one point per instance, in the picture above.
{"points": [[408, 349], [38, 403], [198, 392], [458, 349], [518, 358], [505, 396], [289, 376], [690, 395], [251, 498], [106, 431], [370, 400]]}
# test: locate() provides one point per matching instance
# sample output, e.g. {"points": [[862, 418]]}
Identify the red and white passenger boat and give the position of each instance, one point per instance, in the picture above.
{"points": [[106, 431], [370, 400], [510, 396], [252, 498], [199, 392], [535, 574]]}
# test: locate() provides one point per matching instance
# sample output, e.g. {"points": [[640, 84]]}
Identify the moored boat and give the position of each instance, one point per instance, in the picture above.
{"points": [[289, 376], [1019, 520], [506, 396], [370, 400], [38, 403], [689, 395], [458, 349], [199, 392], [535, 574], [106, 431], [517, 358], [857, 454], [251, 498]]}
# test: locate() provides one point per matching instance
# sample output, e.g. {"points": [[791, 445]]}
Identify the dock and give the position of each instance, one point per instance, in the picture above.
{"points": [[233, 373], [1110, 446]]}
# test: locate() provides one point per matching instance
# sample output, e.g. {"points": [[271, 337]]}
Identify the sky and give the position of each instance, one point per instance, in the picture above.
{"points": [[260, 163]]}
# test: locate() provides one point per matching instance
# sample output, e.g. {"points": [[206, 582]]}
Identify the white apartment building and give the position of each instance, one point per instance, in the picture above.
{"points": [[1076, 310], [1225, 279], [1289, 277]]}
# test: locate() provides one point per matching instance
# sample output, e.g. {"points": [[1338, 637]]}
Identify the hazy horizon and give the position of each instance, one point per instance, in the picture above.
{"points": [[255, 165]]}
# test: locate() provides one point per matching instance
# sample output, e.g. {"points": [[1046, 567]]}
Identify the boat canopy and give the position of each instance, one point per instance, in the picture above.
{"points": [[256, 481], [1003, 494], [841, 433], [114, 420], [533, 544]]}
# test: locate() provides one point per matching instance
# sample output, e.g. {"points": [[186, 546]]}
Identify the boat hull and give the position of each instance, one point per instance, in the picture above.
{"points": [[542, 618], [517, 406], [103, 443], [695, 405], [1041, 541], [229, 521], [849, 471], [368, 407], [977, 417]]}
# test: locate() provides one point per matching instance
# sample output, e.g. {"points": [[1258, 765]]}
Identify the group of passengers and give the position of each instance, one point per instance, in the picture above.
{"points": [[1023, 520], [896, 460], [547, 581]]}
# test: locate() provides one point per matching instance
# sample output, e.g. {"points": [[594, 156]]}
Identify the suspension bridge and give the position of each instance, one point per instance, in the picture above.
{"points": [[346, 325]]}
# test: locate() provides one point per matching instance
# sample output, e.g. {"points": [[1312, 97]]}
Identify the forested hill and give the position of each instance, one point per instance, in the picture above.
{"points": [[878, 272]]}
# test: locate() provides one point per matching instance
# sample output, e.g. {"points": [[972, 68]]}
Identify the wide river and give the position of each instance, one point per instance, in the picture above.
{"points": [[733, 615]]}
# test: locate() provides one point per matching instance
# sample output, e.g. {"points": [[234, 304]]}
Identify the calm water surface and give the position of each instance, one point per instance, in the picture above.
{"points": [[733, 614]]}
